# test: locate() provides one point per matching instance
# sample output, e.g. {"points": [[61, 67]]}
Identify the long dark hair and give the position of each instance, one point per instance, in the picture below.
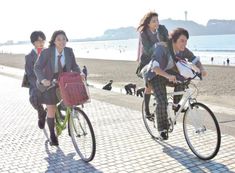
{"points": [[54, 35], [145, 21]]}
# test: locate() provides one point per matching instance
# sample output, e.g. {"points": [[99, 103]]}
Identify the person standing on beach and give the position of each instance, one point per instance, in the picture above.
{"points": [[37, 38], [212, 59], [228, 61], [162, 71], [84, 70], [54, 60]]}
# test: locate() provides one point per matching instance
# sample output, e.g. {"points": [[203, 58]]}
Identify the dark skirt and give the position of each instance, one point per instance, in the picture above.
{"points": [[51, 97]]}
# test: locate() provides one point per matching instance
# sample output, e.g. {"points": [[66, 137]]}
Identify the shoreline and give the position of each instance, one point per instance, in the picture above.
{"points": [[220, 82], [12, 55]]}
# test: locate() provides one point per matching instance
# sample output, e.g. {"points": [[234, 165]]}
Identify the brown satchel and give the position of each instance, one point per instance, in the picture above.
{"points": [[25, 81]]}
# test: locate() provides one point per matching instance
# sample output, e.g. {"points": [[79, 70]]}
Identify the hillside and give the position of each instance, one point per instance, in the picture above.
{"points": [[213, 27]]}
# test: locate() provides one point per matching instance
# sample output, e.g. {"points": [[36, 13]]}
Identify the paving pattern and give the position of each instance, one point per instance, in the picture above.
{"points": [[123, 144]]}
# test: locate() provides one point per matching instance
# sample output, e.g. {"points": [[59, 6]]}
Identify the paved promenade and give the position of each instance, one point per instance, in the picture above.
{"points": [[123, 144]]}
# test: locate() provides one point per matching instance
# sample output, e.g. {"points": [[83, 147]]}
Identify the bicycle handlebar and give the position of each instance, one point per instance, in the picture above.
{"points": [[54, 83], [196, 75], [187, 81]]}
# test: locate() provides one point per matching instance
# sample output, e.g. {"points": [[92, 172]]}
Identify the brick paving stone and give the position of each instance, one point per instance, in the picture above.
{"points": [[123, 144]]}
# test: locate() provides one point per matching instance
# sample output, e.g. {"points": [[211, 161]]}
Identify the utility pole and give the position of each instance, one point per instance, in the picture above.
{"points": [[185, 15]]}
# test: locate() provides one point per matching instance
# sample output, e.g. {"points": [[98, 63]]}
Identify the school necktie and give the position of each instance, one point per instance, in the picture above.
{"points": [[60, 68]]}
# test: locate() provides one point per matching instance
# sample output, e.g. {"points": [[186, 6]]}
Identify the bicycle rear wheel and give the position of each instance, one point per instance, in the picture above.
{"points": [[201, 131], [149, 123], [82, 134]]}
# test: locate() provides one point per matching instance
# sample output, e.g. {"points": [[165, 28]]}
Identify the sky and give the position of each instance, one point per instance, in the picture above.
{"points": [[90, 18]]}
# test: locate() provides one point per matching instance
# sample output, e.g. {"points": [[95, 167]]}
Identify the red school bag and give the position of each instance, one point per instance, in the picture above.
{"points": [[72, 89]]}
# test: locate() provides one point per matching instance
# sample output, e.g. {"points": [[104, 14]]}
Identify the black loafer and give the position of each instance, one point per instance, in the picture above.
{"points": [[163, 135], [54, 141]]}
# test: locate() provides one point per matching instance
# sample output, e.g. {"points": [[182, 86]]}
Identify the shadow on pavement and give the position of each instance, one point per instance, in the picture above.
{"points": [[190, 161], [59, 162]]}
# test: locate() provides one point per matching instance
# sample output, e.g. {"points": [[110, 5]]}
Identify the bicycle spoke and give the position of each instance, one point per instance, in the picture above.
{"points": [[149, 121], [82, 135], [202, 131]]}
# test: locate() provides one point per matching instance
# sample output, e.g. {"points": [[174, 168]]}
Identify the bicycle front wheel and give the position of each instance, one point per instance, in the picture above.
{"points": [[82, 134], [201, 131]]}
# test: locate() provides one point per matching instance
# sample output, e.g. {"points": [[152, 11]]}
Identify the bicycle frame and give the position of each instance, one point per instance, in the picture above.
{"points": [[196, 120], [186, 98], [72, 114], [61, 124]]}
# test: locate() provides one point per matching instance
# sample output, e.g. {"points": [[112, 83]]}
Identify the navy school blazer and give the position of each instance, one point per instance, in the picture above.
{"points": [[45, 65]]}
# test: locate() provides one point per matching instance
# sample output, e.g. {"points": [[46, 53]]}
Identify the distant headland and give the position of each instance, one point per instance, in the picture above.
{"points": [[213, 27]]}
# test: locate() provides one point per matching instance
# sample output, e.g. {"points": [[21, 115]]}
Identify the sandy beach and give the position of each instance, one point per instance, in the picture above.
{"points": [[218, 87]]}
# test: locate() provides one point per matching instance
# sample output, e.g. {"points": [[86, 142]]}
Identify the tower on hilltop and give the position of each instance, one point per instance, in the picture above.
{"points": [[185, 15]]}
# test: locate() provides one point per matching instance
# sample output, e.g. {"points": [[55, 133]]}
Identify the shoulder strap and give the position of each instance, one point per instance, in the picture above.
{"points": [[169, 45]]}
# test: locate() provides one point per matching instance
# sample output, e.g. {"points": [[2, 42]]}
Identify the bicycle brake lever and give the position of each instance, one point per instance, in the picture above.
{"points": [[200, 76]]}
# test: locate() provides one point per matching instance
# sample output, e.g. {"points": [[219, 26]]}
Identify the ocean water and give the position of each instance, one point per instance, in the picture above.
{"points": [[220, 47]]}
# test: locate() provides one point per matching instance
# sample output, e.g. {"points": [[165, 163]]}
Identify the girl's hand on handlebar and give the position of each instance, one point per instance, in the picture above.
{"points": [[46, 82]]}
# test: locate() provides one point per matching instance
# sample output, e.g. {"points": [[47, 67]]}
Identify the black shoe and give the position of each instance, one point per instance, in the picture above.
{"points": [[54, 141], [42, 119], [163, 135], [150, 117]]}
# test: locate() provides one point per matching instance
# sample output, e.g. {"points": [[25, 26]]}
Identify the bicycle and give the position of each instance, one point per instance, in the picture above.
{"points": [[79, 128], [200, 126]]}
